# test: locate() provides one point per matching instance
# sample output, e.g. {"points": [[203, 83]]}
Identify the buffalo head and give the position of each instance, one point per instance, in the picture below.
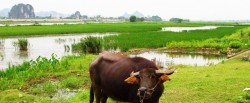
{"points": [[148, 79]]}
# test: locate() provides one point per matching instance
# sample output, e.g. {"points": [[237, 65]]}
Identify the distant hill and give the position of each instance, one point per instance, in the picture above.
{"points": [[137, 14], [50, 13], [4, 12], [22, 11]]}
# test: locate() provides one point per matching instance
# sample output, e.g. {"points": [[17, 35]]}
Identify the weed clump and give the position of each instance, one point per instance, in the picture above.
{"points": [[88, 45], [22, 44], [244, 98]]}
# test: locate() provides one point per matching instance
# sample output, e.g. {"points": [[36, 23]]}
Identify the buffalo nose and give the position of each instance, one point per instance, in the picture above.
{"points": [[142, 89]]}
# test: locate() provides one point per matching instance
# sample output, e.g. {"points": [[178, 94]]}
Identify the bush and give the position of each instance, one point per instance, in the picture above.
{"points": [[90, 45], [235, 44], [22, 44]]}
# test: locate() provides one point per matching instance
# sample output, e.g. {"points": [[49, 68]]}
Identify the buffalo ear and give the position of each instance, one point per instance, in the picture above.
{"points": [[164, 78], [131, 80]]}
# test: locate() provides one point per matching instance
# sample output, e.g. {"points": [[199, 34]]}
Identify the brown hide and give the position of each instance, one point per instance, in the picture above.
{"points": [[108, 73]]}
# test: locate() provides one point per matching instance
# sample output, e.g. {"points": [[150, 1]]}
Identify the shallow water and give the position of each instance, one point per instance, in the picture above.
{"points": [[167, 59], [43, 46], [180, 29], [63, 94]]}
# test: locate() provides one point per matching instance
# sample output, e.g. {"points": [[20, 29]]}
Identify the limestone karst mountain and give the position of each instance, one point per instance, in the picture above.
{"points": [[22, 11]]}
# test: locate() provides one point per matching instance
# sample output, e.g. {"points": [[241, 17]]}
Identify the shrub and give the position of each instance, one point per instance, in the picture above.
{"points": [[22, 44], [235, 44], [90, 45]]}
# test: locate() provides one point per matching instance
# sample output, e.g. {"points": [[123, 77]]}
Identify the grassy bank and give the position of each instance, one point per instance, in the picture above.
{"points": [[222, 83], [7, 31], [39, 80], [158, 39], [229, 44]]}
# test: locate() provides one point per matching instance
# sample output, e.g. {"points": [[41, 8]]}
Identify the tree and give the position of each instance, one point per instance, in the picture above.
{"points": [[140, 19], [156, 18], [132, 18], [178, 20]]}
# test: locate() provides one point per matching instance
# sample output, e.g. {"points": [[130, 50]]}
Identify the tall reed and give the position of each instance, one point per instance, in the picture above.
{"points": [[22, 44]]}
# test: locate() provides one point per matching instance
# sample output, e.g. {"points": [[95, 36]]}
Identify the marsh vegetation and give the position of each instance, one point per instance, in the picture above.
{"points": [[88, 45], [22, 44]]}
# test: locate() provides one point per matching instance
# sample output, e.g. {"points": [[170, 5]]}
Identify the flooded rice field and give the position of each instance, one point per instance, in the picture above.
{"points": [[167, 59], [181, 29], [45, 46]]}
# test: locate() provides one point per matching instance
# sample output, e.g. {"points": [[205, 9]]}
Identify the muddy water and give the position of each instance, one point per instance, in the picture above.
{"points": [[180, 29], [43, 46], [167, 59]]}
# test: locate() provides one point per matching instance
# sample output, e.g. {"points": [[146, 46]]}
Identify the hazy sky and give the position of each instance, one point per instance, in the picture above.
{"points": [[189, 9]]}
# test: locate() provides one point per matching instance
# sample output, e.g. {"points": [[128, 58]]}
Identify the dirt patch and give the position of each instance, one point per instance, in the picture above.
{"points": [[238, 53], [230, 52], [177, 50]]}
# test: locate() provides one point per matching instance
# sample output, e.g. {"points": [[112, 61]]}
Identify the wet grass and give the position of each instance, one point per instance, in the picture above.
{"points": [[39, 80], [9, 31]]}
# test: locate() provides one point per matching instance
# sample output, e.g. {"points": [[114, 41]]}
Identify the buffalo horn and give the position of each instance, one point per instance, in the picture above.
{"points": [[168, 72], [134, 73]]}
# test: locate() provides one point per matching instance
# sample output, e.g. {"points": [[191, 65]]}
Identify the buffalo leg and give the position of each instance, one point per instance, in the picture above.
{"points": [[91, 100], [104, 98], [98, 94]]}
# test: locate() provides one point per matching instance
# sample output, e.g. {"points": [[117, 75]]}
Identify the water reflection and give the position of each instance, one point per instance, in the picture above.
{"points": [[181, 29], [2, 44], [40, 46], [60, 40], [22, 54], [167, 59]]}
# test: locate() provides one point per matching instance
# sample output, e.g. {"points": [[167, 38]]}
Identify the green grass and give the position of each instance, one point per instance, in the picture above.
{"points": [[222, 83], [9, 31], [36, 81], [158, 39], [237, 41]]}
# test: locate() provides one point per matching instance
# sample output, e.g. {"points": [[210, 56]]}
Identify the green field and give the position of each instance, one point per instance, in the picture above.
{"points": [[38, 80], [132, 35], [159, 39], [9, 31]]}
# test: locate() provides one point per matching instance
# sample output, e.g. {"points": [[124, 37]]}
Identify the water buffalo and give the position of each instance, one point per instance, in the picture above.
{"points": [[125, 79]]}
